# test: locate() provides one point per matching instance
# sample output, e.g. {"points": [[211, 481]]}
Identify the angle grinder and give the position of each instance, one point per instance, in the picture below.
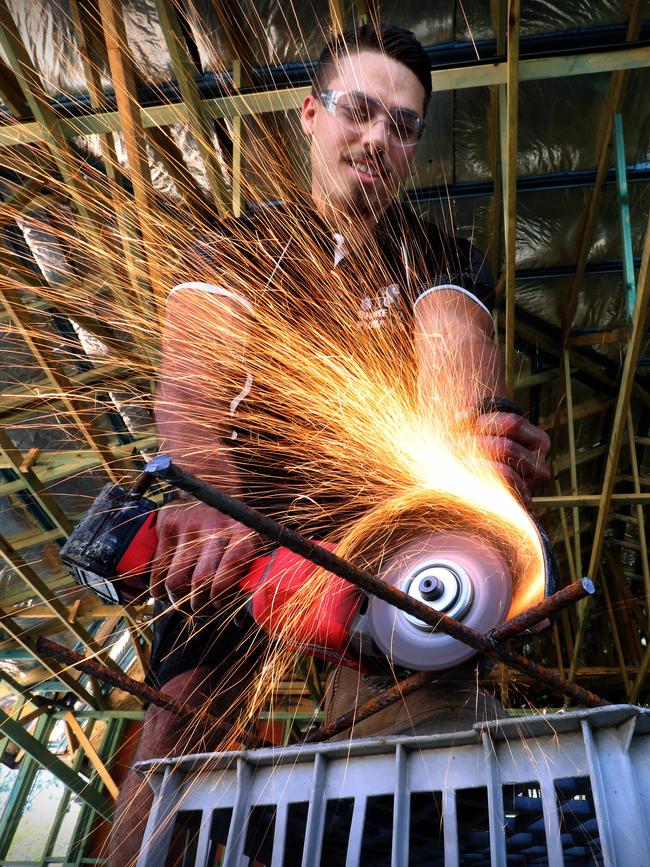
{"points": [[461, 574]]}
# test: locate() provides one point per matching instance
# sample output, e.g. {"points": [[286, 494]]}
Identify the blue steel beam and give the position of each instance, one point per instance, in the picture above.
{"points": [[624, 216], [448, 55]]}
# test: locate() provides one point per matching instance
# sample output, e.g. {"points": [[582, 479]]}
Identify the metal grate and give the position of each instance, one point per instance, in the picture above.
{"points": [[566, 789]]}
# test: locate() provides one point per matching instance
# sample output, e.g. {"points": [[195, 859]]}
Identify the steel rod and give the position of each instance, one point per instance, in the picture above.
{"points": [[389, 696], [145, 693], [551, 605], [163, 468], [563, 598]]}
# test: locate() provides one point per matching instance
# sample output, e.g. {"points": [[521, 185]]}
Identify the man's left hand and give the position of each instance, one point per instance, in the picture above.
{"points": [[518, 448]]}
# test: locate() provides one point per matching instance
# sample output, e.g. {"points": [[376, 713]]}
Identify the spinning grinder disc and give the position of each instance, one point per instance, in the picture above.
{"points": [[453, 573]]}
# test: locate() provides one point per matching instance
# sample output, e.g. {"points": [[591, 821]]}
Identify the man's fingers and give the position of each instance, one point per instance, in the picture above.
{"points": [[505, 451], [201, 554], [233, 566], [514, 427], [205, 569]]}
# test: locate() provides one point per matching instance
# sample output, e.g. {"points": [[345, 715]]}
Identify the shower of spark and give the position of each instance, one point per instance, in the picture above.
{"points": [[350, 442]]}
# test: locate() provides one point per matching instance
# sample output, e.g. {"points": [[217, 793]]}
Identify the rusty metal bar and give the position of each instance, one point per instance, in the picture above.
{"points": [[374, 705], [163, 468], [561, 599], [552, 604], [145, 693]]}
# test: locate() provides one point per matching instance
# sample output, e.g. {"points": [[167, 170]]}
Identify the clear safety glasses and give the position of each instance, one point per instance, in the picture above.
{"points": [[355, 110]]}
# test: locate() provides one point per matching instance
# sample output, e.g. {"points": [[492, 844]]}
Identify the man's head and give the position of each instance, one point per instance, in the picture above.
{"points": [[365, 116]]}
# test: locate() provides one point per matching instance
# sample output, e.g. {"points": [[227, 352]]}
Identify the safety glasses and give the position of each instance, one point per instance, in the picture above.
{"points": [[355, 110]]}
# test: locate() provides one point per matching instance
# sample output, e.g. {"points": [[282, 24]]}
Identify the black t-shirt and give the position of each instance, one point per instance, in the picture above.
{"points": [[282, 260]]}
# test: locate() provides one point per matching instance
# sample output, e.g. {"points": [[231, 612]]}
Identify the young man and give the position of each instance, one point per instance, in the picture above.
{"points": [[364, 118]]}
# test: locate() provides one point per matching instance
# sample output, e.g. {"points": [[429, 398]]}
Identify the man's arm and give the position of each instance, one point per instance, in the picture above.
{"points": [[201, 553], [459, 361]]}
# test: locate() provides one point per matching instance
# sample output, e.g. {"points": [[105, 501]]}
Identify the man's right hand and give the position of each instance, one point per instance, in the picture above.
{"points": [[201, 556]]}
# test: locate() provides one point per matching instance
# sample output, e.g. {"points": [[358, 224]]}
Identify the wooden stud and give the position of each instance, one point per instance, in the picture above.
{"points": [[612, 104], [197, 115], [614, 628], [93, 756], [122, 75], [290, 98], [572, 453], [618, 427]]}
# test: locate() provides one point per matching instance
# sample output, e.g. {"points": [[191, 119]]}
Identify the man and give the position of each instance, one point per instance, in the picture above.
{"points": [[363, 119]]}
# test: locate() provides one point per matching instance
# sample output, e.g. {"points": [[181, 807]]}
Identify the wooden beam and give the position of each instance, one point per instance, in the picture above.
{"points": [[620, 656], [49, 124], [198, 119], [122, 75], [11, 93], [588, 500], [612, 104], [593, 406], [39, 752], [93, 755], [497, 109], [577, 554], [24, 571], [637, 339], [59, 381], [291, 97], [640, 519]]}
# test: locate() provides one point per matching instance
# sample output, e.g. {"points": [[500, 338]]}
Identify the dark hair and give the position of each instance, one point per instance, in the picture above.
{"points": [[395, 42]]}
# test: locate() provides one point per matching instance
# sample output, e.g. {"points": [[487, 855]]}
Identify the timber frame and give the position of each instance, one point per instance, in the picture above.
{"points": [[596, 510]]}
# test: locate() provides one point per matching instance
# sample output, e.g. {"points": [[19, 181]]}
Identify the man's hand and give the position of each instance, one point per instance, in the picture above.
{"points": [[518, 448], [201, 555]]}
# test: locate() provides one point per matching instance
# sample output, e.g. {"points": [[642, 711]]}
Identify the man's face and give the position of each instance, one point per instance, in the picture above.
{"points": [[358, 169]]}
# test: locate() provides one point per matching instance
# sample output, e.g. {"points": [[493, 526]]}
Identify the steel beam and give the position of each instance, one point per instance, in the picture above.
{"points": [[47, 760], [624, 215], [509, 138]]}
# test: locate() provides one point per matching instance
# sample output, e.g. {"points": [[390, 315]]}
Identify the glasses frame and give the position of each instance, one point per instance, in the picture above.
{"points": [[330, 98]]}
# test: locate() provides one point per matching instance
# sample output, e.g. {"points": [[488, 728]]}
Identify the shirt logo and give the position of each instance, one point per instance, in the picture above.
{"points": [[374, 311]]}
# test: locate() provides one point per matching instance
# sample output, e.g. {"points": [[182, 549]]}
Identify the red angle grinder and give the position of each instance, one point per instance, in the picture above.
{"points": [[112, 549]]}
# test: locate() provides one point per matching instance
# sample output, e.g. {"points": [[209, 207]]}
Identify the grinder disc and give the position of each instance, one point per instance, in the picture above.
{"points": [[452, 572]]}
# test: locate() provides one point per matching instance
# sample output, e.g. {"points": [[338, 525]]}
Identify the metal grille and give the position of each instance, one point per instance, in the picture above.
{"points": [[566, 789]]}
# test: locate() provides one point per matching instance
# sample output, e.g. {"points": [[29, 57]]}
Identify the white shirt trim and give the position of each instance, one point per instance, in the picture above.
{"points": [[453, 288], [212, 290]]}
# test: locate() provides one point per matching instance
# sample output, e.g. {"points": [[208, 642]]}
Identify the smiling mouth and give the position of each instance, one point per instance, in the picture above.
{"points": [[367, 169]]}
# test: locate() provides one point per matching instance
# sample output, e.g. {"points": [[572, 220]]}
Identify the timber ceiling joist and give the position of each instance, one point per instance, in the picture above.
{"points": [[579, 370]]}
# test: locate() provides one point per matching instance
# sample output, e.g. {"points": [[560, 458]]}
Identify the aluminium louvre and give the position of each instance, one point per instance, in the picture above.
{"points": [[563, 789]]}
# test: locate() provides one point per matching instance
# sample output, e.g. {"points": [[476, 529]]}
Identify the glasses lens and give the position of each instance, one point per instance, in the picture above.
{"points": [[405, 125], [356, 109]]}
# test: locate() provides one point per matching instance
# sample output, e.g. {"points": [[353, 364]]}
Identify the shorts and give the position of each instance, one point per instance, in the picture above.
{"points": [[182, 642]]}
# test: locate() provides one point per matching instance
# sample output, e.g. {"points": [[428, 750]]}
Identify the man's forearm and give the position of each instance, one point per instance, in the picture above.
{"points": [[203, 349], [184, 433]]}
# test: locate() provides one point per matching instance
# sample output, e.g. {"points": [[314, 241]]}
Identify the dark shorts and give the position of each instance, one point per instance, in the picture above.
{"points": [[182, 642]]}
